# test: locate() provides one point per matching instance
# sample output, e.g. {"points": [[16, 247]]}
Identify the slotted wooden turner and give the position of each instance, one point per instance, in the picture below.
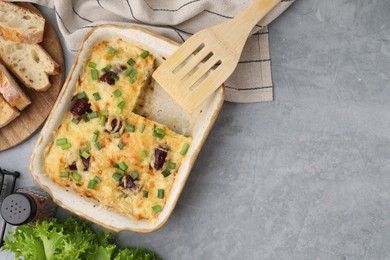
{"points": [[203, 62]]}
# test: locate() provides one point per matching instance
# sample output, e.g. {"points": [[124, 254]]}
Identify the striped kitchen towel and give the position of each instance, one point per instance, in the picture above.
{"points": [[178, 20]]}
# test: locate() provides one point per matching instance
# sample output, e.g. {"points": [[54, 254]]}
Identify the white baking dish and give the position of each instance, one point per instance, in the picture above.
{"points": [[158, 106]]}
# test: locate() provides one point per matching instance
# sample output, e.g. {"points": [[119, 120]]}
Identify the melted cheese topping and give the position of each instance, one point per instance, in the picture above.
{"points": [[101, 56], [139, 146]]}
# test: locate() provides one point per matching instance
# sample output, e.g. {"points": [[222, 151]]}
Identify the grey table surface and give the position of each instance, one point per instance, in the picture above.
{"points": [[304, 177]]}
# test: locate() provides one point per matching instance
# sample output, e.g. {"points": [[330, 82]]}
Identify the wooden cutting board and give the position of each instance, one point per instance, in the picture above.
{"points": [[32, 117]]}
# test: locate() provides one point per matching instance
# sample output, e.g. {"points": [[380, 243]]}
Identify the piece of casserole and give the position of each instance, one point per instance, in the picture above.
{"points": [[103, 150]]}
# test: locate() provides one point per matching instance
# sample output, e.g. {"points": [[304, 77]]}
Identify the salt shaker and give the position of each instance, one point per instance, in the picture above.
{"points": [[27, 205]]}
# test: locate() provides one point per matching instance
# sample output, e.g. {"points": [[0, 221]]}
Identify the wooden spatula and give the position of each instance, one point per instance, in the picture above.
{"points": [[208, 58]]}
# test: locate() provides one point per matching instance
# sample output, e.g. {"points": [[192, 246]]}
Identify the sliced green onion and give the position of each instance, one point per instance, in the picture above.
{"points": [[98, 146], [132, 74], [81, 95], [94, 74], [130, 128], [88, 145], [93, 115], [117, 93], [92, 65], [75, 121], [133, 80], [120, 99], [65, 146], [142, 128], [131, 62], [134, 175], [124, 195], [184, 149], [121, 104], [123, 166], [145, 194], [91, 184], [160, 193], [104, 112], [61, 141], [82, 149], [127, 72], [117, 176], [76, 176], [121, 172], [102, 120], [159, 136], [97, 179], [144, 154], [85, 117], [166, 173], [171, 165], [106, 68], [156, 208], [116, 135], [95, 136], [85, 155], [112, 51], [121, 145], [159, 133], [114, 76], [64, 174], [116, 165], [144, 54], [96, 96]]}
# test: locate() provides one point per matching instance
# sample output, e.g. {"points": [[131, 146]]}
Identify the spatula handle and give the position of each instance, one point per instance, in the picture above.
{"points": [[241, 26], [237, 30], [255, 12]]}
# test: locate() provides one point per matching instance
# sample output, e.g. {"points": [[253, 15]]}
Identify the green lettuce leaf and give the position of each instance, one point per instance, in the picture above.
{"points": [[104, 253], [52, 237], [138, 253], [73, 238], [24, 243]]}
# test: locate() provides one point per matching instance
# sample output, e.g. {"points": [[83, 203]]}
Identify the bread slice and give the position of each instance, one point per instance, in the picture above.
{"points": [[30, 63], [7, 113], [19, 24], [11, 91]]}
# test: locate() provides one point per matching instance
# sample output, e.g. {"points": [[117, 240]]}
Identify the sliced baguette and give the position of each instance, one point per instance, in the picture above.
{"points": [[11, 91], [7, 113], [19, 24], [30, 63]]}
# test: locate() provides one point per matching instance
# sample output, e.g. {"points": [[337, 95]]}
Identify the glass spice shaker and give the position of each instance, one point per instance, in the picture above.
{"points": [[27, 205]]}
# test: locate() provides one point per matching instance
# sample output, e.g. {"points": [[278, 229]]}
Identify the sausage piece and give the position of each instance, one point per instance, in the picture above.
{"points": [[108, 78], [160, 155], [81, 107], [128, 183]]}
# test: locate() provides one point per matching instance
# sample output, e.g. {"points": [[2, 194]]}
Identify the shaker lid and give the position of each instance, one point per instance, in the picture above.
{"points": [[18, 209]]}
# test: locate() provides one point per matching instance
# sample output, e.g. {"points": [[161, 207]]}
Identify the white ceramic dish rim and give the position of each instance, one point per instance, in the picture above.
{"points": [[85, 207]]}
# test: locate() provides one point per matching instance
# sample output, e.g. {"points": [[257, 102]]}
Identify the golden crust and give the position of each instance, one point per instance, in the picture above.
{"points": [[7, 113], [11, 91], [13, 35]]}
